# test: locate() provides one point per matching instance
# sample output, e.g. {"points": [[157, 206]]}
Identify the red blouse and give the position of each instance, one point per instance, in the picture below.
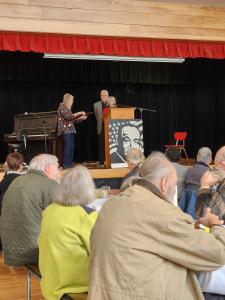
{"points": [[105, 111]]}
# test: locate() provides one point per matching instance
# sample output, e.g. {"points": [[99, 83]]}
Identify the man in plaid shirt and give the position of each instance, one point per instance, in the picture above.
{"points": [[212, 191]]}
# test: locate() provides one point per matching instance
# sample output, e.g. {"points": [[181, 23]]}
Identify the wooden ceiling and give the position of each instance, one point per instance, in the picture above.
{"points": [[219, 3], [197, 20]]}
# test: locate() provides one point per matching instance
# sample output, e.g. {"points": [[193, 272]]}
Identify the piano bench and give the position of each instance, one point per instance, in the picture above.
{"points": [[15, 147]]}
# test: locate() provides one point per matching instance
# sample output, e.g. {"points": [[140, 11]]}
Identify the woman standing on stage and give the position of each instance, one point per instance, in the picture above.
{"points": [[66, 128]]}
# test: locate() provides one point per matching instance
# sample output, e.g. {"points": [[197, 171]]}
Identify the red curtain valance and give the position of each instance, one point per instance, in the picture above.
{"points": [[50, 43]]}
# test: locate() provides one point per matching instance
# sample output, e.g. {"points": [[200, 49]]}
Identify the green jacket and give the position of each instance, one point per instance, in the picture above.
{"points": [[64, 249], [23, 204]]}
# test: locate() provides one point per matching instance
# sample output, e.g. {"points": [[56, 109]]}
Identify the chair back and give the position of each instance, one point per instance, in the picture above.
{"points": [[180, 136]]}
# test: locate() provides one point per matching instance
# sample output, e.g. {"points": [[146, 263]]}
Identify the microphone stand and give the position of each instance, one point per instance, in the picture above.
{"points": [[141, 109], [44, 127], [24, 141]]}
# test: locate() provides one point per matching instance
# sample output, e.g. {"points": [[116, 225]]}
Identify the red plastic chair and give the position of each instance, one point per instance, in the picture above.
{"points": [[179, 137]]}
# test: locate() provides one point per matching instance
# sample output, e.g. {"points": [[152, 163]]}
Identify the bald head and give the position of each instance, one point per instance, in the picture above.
{"points": [[134, 157], [220, 157], [158, 170], [156, 166]]}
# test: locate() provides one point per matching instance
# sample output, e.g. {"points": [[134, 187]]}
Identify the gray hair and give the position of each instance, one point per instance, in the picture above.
{"points": [[104, 91], [135, 156], [76, 188], [112, 98], [155, 167], [40, 162], [204, 155]]}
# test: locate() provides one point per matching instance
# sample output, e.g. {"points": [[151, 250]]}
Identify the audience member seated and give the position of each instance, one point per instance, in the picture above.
{"points": [[194, 174], [212, 190], [22, 207], [174, 156], [14, 163], [134, 158], [143, 247], [189, 195], [64, 245]]}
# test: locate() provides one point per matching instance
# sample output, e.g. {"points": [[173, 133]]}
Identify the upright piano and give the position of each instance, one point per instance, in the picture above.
{"points": [[40, 132]]}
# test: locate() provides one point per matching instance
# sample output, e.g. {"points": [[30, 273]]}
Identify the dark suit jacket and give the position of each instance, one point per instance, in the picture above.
{"points": [[98, 115]]}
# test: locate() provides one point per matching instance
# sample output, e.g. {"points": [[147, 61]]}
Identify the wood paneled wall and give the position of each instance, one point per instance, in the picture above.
{"points": [[126, 18]]}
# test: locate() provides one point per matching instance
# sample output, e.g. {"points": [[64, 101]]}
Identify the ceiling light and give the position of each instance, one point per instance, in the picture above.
{"points": [[114, 58]]}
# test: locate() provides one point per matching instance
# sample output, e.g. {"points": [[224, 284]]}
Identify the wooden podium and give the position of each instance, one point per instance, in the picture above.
{"points": [[115, 114]]}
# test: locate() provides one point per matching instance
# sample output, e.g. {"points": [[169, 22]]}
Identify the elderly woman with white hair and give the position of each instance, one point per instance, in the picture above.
{"points": [[64, 245], [67, 129]]}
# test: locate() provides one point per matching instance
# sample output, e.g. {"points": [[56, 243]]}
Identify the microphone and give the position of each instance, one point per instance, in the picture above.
{"points": [[25, 141], [139, 108]]}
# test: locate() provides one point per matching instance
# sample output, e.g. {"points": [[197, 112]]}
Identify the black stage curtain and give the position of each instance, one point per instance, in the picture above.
{"points": [[188, 96]]}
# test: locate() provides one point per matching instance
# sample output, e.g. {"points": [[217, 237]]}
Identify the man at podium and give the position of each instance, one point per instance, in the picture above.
{"points": [[111, 104], [99, 107]]}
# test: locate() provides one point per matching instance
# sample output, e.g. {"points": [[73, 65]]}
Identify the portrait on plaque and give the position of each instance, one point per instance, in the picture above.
{"points": [[123, 135]]}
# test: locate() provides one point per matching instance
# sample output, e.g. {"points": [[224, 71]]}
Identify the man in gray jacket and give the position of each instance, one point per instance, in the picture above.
{"points": [[22, 207], [98, 109], [195, 173]]}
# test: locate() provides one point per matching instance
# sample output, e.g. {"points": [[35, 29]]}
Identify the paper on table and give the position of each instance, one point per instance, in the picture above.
{"points": [[98, 203]]}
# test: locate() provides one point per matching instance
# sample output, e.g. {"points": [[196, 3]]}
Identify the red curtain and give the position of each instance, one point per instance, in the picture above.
{"points": [[50, 43]]}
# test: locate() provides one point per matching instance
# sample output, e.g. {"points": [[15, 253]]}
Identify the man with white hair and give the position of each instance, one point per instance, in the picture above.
{"points": [[134, 158], [212, 189], [194, 174], [143, 247], [23, 204], [99, 107]]}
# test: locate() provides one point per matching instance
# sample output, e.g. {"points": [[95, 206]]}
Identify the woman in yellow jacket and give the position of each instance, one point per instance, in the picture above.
{"points": [[64, 245]]}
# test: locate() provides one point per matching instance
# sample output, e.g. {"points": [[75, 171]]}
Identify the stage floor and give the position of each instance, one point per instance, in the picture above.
{"points": [[95, 171], [100, 173], [106, 173]]}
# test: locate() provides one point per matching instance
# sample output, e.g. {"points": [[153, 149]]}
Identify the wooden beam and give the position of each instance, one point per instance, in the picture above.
{"points": [[143, 6], [125, 18], [103, 29], [110, 17]]}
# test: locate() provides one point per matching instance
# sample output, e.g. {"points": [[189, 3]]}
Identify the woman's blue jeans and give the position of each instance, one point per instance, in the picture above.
{"points": [[68, 150]]}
